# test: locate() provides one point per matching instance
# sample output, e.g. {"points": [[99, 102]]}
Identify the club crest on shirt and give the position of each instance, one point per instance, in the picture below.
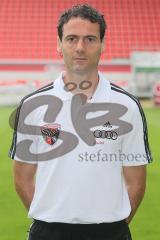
{"points": [[50, 132]]}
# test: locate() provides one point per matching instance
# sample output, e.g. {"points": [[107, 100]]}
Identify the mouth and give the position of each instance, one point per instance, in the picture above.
{"points": [[80, 59]]}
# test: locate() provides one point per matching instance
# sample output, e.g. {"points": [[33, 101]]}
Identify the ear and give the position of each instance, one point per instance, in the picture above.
{"points": [[59, 45], [103, 45]]}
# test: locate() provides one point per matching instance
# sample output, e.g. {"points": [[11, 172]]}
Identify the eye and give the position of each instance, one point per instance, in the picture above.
{"points": [[71, 39], [91, 39]]}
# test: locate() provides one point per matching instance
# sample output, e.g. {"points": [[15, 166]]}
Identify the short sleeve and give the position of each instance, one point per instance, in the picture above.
{"points": [[24, 143], [135, 145]]}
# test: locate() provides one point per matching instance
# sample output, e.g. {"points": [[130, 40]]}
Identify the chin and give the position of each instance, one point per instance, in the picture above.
{"points": [[80, 69]]}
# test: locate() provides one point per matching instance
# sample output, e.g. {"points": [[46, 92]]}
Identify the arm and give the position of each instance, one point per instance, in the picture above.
{"points": [[135, 180], [24, 181]]}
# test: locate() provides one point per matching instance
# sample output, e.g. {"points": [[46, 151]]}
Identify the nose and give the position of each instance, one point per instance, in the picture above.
{"points": [[80, 46]]}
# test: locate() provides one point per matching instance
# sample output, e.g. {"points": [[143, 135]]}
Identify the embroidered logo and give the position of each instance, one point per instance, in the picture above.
{"points": [[107, 124], [50, 132], [105, 131]]}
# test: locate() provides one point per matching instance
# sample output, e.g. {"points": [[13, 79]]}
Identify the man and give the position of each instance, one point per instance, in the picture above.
{"points": [[80, 145]]}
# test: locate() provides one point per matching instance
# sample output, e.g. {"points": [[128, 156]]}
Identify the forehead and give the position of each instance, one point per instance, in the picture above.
{"points": [[81, 27]]}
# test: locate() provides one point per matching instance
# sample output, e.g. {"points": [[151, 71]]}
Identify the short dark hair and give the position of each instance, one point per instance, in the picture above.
{"points": [[83, 11]]}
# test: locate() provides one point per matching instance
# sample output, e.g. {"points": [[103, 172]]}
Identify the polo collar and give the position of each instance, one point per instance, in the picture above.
{"points": [[101, 94]]}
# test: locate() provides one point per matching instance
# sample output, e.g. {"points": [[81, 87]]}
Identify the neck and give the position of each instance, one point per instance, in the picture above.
{"points": [[85, 83]]}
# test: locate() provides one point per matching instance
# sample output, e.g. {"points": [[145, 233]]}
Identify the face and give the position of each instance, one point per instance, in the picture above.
{"points": [[81, 45]]}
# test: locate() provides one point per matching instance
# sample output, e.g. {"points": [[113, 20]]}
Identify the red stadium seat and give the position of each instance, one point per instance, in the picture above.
{"points": [[28, 28]]}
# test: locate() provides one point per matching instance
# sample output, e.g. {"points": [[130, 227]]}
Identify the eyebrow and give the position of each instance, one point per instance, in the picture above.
{"points": [[73, 35]]}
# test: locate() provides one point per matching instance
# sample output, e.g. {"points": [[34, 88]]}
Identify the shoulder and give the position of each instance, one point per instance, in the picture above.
{"points": [[32, 101], [125, 98], [39, 92], [133, 106], [35, 97]]}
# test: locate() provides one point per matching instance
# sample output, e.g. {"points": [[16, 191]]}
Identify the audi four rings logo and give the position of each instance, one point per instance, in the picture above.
{"points": [[105, 134]]}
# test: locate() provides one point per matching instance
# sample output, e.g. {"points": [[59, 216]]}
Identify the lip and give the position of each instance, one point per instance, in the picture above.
{"points": [[80, 58]]}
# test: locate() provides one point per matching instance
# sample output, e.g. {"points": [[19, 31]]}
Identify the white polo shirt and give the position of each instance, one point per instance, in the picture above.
{"points": [[85, 183]]}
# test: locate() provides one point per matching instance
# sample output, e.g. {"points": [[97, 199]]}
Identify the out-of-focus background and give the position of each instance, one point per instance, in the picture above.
{"points": [[29, 60]]}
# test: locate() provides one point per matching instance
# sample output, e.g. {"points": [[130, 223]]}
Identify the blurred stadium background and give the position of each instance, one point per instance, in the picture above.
{"points": [[29, 60]]}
